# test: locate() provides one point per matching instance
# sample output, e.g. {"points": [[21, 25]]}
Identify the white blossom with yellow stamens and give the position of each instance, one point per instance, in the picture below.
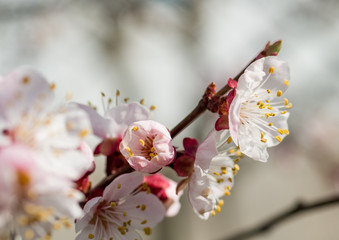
{"points": [[123, 209], [29, 116], [258, 113]]}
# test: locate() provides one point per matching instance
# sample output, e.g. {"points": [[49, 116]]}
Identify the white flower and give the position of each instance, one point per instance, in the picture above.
{"points": [[33, 201], [29, 116], [213, 175], [256, 120], [121, 211]]}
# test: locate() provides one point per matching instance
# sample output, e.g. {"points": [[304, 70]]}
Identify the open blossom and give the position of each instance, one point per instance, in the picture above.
{"points": [[33, 201], [213, 174], [29, 116], [147, 146], [165, 189], [257, 115], [40, 156], [111, 127], [122, 210]]}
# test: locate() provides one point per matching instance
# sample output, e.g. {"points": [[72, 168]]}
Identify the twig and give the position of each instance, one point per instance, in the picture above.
{"points": [[298, 208], [201, 107]]}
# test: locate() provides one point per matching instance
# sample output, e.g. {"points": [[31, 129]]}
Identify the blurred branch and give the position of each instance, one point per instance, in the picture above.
{"points": [[299, 207]]}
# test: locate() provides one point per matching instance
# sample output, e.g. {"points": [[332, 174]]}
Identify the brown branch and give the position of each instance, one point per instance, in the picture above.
{"points": [[298, 208], [201, 107], [196, 112]]}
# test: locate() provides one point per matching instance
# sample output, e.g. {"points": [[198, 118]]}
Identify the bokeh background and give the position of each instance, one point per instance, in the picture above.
{"points": [[167, 52]]}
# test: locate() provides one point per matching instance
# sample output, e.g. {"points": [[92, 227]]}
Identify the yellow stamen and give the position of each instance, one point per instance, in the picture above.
{"points": [[278, 138], [147, 230], [143, 207], [142, 142], [280, 131], [229, 140], [221, 203], [283, 112], [119, 186], [135, 128], [117, 93], [52, 86], [84, 133], [213, 213], [270, 124], [289, 106], [268, 91], [236, 167], [264, 140], [113, 204], [262, 134], [279, 93], [152, 108], [286, 82], [90, 236], [218, 208], [25, 80], [271, 70], [142, 101], [285, 101], [286, 132]]}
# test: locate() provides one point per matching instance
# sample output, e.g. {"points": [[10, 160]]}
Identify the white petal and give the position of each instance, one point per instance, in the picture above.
{"points": [[124, 115], [102, 127], [206, 151], [250, 143], [199, 186], [122, 186]]}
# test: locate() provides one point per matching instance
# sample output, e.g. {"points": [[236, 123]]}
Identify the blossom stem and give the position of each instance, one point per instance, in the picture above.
{"points": [[292, 211]]}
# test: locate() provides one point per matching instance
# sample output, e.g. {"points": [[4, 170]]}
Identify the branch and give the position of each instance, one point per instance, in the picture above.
{"points": [[298, 208], [269, 50]]}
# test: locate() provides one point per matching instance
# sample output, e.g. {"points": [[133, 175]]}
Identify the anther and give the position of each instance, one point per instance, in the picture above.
{"points": [[152, 108], [279, 93], [142, 101], [229, 140], [271, 70], [285, 101], [268, 91], [270, 124], [117, 93], [280, 131], [213, 213], [52, 86], [262, 134], [289, 106], [147, 230], [90, 236], [286, 82], [142, 142], [135, 128], [283, 112], [119, 186], [278, 138], [218, 208]]}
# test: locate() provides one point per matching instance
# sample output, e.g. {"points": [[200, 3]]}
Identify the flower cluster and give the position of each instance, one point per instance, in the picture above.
{"points": [[46, 162]]}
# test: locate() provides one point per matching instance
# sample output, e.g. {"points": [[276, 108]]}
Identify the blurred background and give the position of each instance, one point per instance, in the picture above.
{"points": [[167, 52]]}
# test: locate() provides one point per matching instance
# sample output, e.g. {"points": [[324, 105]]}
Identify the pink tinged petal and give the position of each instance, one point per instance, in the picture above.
{"points": [[222, 123], [175, 206], [122, 186], [88, 213], [190, 146], [147, 146], [232, 83], [206, 151], [199, 194], [183, 165], [234, 118], [23, 89], [102, 127], [124, 115]]}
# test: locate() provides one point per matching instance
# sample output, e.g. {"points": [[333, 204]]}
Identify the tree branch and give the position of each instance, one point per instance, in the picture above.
{"points": [[298, 208]]}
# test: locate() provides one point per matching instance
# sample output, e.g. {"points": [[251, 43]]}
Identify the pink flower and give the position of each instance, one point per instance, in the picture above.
{"points": [[122, 210], [147, 146], [111, 127], [33, 200], [165, 189]]}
